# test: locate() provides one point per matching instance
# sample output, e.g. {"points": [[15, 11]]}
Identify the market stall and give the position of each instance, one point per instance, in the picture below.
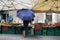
{"points": [[48, 6]]}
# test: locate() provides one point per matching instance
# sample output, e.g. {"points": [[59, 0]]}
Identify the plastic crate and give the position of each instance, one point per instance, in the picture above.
{"points": [[29, 31], [57, 31], [10, 30], [37, 33], [50, 32], [18, 30], [44, 32], [0, 29]]}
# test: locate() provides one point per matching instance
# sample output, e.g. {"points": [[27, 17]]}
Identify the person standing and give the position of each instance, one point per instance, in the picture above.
{"points": [[27, 16]]}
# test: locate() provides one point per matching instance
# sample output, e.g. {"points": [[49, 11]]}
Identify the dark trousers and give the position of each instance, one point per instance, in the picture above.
{"points": [[25, 25]]}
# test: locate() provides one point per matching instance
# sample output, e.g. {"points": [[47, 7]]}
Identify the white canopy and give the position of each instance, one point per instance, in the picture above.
{"points": [[16, 4]]}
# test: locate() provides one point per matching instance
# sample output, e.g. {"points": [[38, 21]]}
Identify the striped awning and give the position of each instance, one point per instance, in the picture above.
{"points": [[16, 4], [47, 6]]}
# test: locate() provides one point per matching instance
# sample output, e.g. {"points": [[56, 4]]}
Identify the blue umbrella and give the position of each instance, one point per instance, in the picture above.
{"points": [[25, 14]]}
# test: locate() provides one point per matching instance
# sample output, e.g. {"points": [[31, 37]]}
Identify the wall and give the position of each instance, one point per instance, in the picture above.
{"points": [[54, 18], [15, 18], [39, 17], [58, 17]]}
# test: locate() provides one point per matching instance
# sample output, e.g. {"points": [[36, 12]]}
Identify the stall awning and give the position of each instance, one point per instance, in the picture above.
{"points": [[16, 4], [47, 6]]}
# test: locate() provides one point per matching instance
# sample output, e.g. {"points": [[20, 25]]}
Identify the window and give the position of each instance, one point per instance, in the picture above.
{"points": [[49, 17]]}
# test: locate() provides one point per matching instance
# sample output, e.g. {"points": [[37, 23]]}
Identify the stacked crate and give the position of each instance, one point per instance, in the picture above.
{"points": [[18, 30], [57, 31], [0, 29], [29, 31], [50, 31], [8, 30], [44, 32], [37, 33], [38, 30]]}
